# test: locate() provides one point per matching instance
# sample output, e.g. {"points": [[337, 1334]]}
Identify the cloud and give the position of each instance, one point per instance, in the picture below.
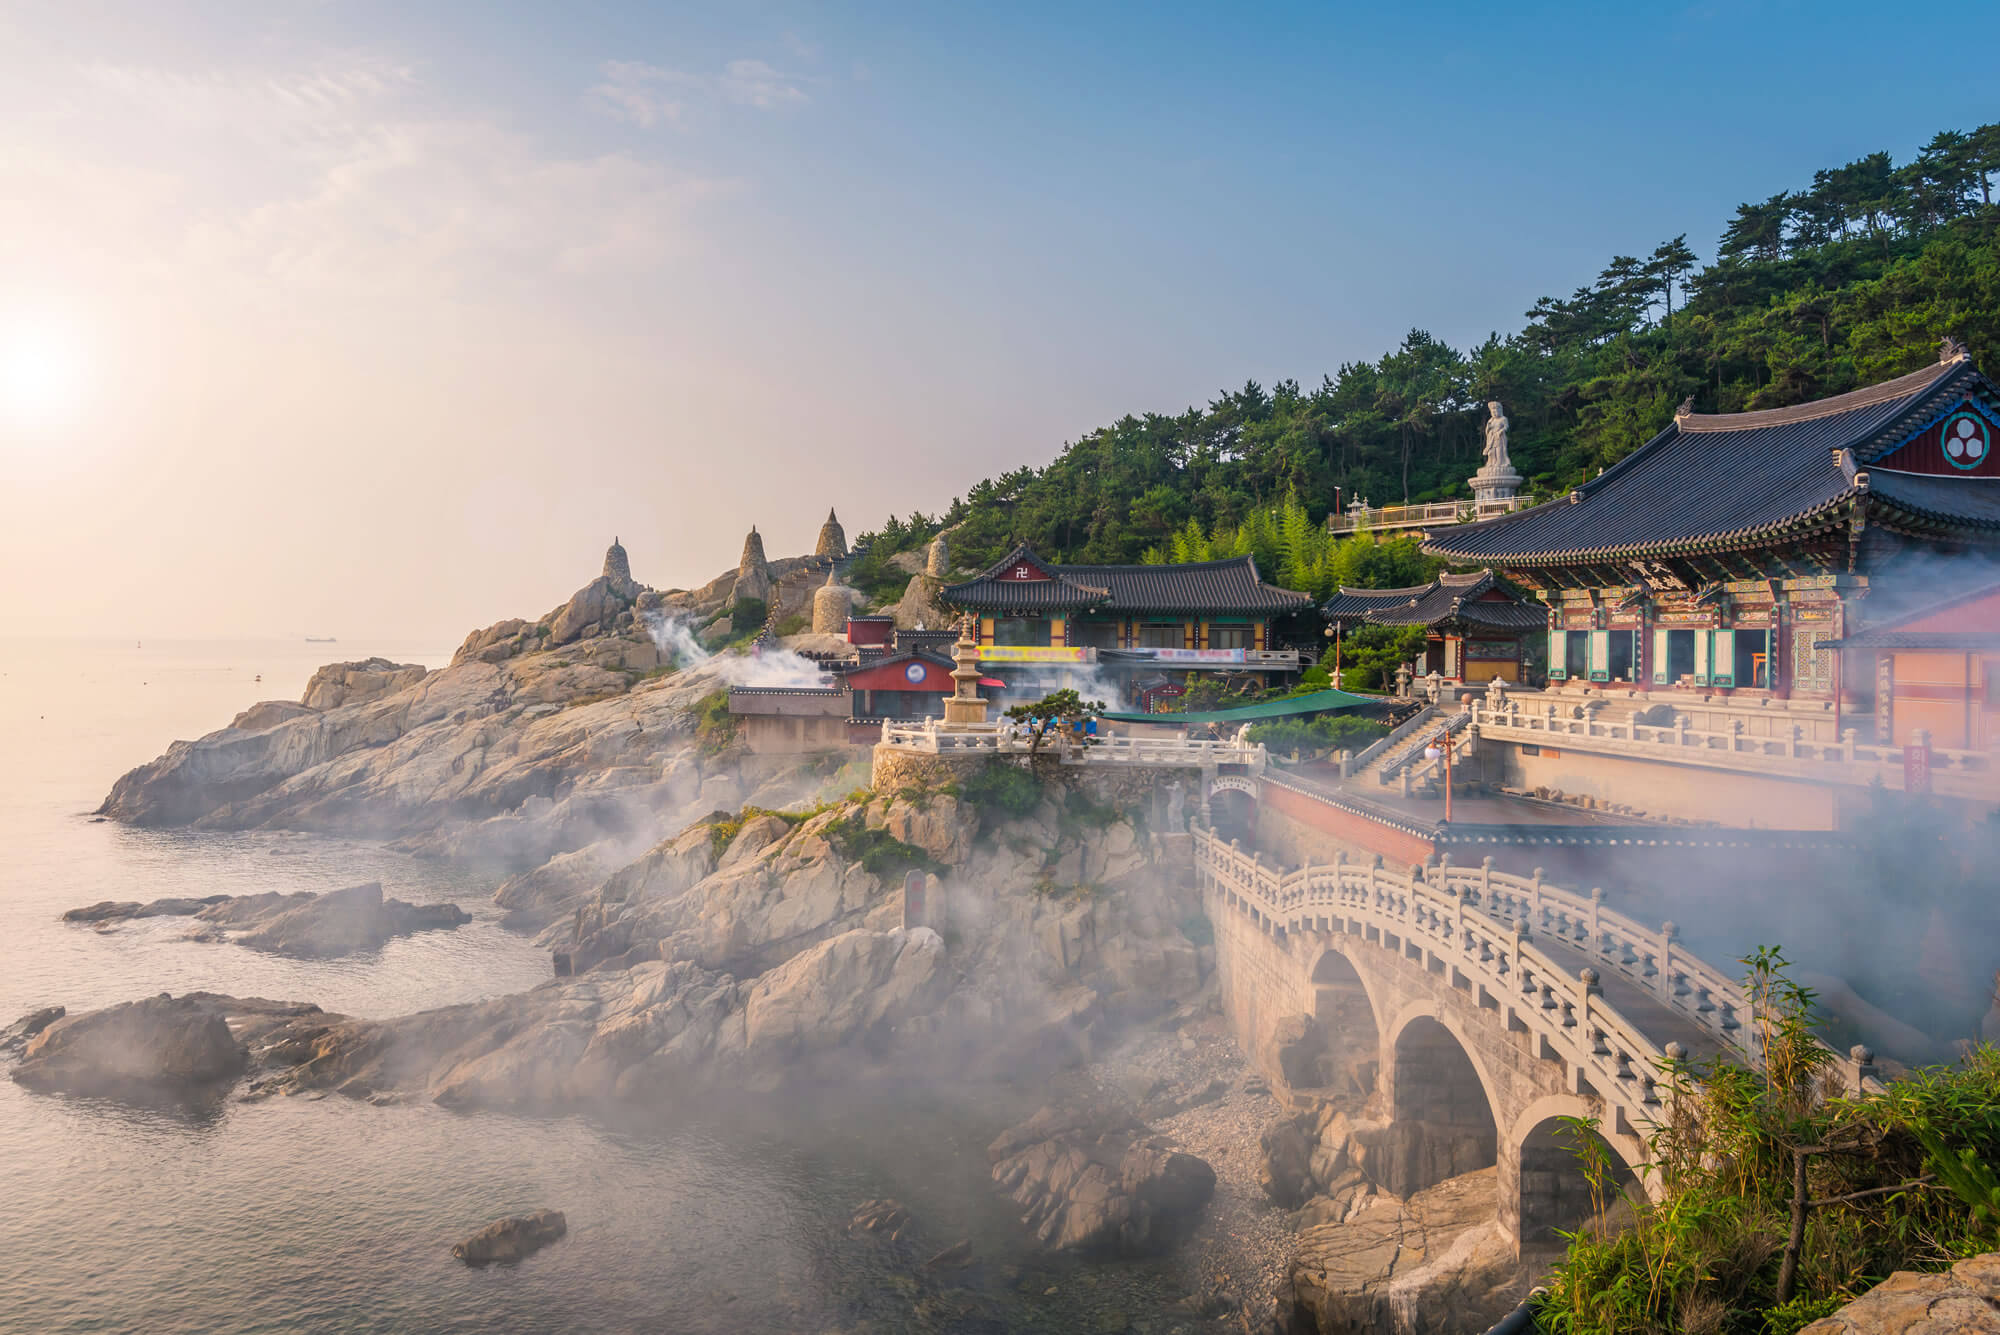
{"points": [[635, 91], [754, 83], [651, 96], [351, 173]]}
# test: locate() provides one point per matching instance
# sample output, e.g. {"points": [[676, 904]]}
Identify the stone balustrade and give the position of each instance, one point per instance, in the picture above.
{"points": [[1796, 754], [1168, 752], [1490, 927]]}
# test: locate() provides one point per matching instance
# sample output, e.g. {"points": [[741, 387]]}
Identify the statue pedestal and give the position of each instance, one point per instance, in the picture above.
{"points": [[1496, 484]]}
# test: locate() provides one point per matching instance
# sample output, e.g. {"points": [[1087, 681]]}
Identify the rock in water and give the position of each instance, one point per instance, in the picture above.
{"points": [[16, 1035], [156, 1045], [509, 1240], [1095, 1181]]}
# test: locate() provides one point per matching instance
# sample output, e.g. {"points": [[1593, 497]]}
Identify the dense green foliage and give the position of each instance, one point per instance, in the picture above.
{"points": [[1327, 732], [1896, 1181], [878, 851], [1003, 789], [1848, 281]]}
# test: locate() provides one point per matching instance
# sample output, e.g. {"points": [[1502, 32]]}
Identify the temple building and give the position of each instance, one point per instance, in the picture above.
{"points": [[1732, 552], [1936, 671], [1038, 618], [1477, 628]]}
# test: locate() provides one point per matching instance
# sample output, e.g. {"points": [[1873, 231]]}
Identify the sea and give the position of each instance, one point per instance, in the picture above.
{"points": [[329, 1215]]}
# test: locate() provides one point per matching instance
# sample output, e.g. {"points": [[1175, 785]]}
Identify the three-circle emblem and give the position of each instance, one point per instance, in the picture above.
{"points": [[914, 672], [1967, 440]]}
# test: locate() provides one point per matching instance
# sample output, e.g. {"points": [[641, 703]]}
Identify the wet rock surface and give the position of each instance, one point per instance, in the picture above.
{"points": [[303, 925], [508, 1241], [1095, 1181]]}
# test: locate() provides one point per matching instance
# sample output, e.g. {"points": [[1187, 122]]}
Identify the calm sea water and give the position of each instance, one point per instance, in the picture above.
{"points": [[327, 1216]]}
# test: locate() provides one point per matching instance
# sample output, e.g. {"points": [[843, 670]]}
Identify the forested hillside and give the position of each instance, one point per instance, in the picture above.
{"points": [[1850, 280]]}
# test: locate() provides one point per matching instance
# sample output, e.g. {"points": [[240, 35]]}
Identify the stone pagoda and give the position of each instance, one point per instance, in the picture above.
{"points": [[964, 707], [616, 566]]}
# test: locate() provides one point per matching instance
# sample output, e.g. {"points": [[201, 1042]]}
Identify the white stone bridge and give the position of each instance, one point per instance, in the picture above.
{"points": [[1498, 1004]]}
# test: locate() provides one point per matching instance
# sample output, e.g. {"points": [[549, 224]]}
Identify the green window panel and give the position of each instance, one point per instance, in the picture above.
{"points": [[1660, 657]]}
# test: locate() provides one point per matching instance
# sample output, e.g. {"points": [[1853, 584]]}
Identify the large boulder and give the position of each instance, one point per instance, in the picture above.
{"points": [[509, 1240], [1436, 1264], [161, 1044], [357, 683], [852, 989], [1096, 1182], [17, 1035], [1965, 1298], [341, 922], [593, 609]]}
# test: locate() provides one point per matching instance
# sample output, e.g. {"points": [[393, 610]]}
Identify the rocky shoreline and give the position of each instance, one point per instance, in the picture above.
{"points": [[722, 922]]}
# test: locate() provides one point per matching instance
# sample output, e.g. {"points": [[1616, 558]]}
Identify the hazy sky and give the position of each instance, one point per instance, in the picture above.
{"points": [[343, 317]]}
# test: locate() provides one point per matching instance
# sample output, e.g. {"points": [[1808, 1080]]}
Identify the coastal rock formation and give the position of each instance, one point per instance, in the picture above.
{"points": [[1436, 1264], [1965, 1298], [357, 683], [507, 1241], [649, 1032], [303, 925], [1096, 1182], [15, 1036], [160, 1044]]}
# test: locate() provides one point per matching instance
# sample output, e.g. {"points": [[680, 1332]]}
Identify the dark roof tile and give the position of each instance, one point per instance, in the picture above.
{"points": [[1231, 585]]}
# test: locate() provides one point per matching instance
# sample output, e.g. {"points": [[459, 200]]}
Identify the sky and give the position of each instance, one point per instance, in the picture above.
{"points": [[347, 317]]}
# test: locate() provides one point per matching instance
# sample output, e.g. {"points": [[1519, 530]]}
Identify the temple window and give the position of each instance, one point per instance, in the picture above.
{"points": [[1753, 658], [1094, 634], [1161, 635], [1229, 637], [1622, 655], [1576, 655], [1030, 631], [1680, 655]]}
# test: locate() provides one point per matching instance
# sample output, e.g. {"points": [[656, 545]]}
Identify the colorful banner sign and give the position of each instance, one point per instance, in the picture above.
{"points": [[1193, 655], [1034, 653]]}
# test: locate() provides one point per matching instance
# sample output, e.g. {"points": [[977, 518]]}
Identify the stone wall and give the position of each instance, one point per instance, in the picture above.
{"points": [[1261, 981], [1680, 792], [1297, 829]]}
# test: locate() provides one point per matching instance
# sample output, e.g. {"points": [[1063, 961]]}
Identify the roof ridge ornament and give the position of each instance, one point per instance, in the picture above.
{"points": [[1951, 348], [1686, 409]]}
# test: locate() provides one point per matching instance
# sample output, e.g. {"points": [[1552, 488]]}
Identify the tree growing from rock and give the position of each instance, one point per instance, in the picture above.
{"points": [[1054, 712]]}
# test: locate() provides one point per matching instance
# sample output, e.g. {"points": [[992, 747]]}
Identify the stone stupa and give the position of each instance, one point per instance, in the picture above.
{"points": [[753, 572], [833, 602], [615, 565], [832, 538]]}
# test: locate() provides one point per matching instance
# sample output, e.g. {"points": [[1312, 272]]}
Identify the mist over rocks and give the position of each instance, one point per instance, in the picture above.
{"points": [[302, 925], [195, 1045], [1097, 1182]]}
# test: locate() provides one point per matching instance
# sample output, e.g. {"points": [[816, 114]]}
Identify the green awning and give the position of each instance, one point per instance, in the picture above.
{"points": [[1319, 702]]}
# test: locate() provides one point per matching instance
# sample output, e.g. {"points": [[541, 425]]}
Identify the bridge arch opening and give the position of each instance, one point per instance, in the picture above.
{"points": [[1556, 1195], [1233, 813], [1350, 1056], [1444, 1124]]}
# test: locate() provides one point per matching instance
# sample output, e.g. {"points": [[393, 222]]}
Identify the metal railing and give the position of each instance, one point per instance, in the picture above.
{"points": [[1957, 773]]}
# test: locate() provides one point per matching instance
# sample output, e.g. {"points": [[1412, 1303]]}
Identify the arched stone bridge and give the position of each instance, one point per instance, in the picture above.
{"points": [[1498, 1004]]}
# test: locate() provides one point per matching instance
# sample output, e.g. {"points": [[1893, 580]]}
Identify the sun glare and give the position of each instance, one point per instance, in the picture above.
{"points": [[41, 374]]}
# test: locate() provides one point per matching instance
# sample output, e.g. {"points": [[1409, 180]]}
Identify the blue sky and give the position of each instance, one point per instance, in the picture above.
{"points": [[457, 271]]}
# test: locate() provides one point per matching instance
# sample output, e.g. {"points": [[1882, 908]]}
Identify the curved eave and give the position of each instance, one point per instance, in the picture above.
{"points": [[1794, 526]]}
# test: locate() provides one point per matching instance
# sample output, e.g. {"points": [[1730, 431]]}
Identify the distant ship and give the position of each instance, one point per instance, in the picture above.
{"points": [[321, 639]]}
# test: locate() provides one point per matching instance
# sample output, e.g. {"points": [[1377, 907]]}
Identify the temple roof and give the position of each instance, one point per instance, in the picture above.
{"points": [[1447, 598], [1967, 621], [1718, 482], [1022, 581]]}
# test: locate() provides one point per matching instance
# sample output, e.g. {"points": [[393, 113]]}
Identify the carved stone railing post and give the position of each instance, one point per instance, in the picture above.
{"points": [[1486, 881], [1847, 736], [1665, 982], [1535, 896], [1596, 903]]}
